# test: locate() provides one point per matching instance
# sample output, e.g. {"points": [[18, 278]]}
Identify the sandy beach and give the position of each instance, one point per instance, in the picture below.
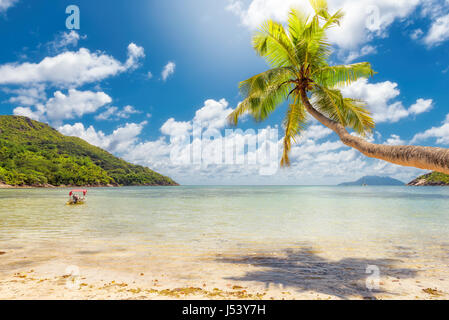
{"points": [[125, 275]]}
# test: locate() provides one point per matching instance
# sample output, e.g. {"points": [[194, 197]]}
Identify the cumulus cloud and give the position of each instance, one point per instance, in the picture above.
{"points": [[118, 141], [168, 70], [416, 34], [441, 133], [62, 106], [69, 68], [65, 40], [213, 115], [135, 53], [198, 157], [113, 113], [176, 129], [36, 114], [356, 54], [439, 31], [6, 4], [379, 98], [421, 105], [315, 132], [27, 96], [394, 140]]}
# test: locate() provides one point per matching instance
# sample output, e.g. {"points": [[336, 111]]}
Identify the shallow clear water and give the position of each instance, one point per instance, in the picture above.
{"points": [[406, 223]]}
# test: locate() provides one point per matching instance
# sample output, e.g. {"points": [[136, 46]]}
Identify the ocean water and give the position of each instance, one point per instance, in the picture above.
{"points": [[175, 227]]}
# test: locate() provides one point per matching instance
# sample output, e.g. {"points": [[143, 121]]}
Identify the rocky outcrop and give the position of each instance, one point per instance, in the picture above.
{"points": [[431, 179]]}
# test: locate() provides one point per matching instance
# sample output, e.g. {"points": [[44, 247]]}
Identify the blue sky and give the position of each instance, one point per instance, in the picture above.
{"points": [[137, 75]]}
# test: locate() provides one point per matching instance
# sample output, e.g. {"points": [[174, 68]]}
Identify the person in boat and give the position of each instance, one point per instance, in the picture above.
{"points": [[75, 198]]}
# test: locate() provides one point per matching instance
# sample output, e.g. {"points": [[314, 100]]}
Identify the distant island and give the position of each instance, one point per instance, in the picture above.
{"points": [[34, 154], [374, 181], [431, 179]]}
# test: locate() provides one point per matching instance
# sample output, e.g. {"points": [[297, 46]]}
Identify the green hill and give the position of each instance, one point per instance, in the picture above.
{"points": [[374, 181], [34, 154], [431, 179]]}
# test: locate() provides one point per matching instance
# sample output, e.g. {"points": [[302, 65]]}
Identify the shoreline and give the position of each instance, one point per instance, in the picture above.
{"points": [[7, 186]]}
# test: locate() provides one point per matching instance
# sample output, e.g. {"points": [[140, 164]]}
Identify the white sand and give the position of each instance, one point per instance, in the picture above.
{"points": [[44, 274]]}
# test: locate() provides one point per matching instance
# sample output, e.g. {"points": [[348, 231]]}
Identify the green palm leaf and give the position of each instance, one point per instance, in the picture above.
{"points": [[273, 43], [294, 122], [264, 93], [348, 112], [342, 75]]}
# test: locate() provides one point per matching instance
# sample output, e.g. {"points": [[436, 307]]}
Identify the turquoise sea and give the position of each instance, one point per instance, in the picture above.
{"points": [[183, 231]]}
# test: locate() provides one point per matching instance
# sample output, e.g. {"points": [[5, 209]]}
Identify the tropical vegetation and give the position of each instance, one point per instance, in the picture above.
{"points": [[431, 179], [33, 153]]}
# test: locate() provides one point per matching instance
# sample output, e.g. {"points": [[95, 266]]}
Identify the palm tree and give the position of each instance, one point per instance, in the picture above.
{"points": [[301, 75]]}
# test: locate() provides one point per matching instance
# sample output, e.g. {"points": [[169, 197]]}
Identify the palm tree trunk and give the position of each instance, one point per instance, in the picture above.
{"points": [[430, 158]]}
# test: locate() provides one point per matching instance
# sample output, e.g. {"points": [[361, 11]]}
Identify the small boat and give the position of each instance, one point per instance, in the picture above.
{"points": [[77, 197]]}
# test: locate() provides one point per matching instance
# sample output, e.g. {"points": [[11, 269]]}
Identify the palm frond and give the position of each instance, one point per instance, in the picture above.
{"points": [[348, 112], [335, 76], [320, 7], [297, 23], [333, 20], [263, 93], [294, 122], [273, 43]]}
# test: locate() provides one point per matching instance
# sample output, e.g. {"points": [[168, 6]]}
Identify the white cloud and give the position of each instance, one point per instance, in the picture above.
{"points": [[394, 140], [434, 8], [318, 158], [260, 10], [366, 50], [168, 70], [27, 96], [416, 34], [439, 31], [118, 141], [315, 132], [135, 53], [379, 96], [6, 4], [113, 113], [108, 114], [69, 68], [35, 114], [176, 129], [66, 39], [60, 106], [213, 115], [313, 161], [363, 20], [421, 106], [149, 75], [441, 134]]}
